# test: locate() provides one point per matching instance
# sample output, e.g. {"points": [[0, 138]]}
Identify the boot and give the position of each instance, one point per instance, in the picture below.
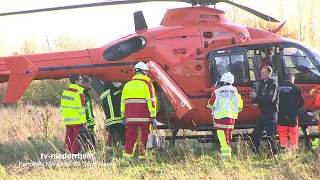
{"points": [[109, 155]]}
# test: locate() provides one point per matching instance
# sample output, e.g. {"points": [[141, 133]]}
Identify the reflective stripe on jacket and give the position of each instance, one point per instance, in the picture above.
{"points": [[73, 105], [89, 109], [110, 100], [317, 94], [225, 102], [138, 102]]}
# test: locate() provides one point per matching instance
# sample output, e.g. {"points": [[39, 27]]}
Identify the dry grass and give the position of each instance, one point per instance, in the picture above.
{"points": [[28, 131]]}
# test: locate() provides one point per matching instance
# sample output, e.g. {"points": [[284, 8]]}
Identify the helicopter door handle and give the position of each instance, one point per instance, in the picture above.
{"points": [[179, 51]]}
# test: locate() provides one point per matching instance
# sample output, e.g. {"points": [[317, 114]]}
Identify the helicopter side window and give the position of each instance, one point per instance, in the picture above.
{"points": [[123, 49], [238, 68], [298, 63], [234, 63]]}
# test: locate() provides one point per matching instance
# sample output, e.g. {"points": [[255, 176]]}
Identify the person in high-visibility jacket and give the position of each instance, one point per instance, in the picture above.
{"points": [[225, 103], [73, 111], [138, 108], [316, 92], [110, 101]]}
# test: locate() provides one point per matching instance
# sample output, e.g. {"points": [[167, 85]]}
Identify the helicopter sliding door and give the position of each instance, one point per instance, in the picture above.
{"points": [[234, 60]]}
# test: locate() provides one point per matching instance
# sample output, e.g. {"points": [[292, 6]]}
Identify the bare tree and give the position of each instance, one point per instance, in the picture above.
{"points": [[30, 46], [281, 9], [66, 42], [304, 16]]}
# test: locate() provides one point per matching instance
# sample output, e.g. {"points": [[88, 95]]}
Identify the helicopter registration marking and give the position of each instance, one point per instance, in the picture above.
{"points": [[209, 16]]}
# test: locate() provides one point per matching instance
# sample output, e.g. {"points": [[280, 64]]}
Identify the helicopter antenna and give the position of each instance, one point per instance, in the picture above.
{"points": [[48, 43], [269, 22]]}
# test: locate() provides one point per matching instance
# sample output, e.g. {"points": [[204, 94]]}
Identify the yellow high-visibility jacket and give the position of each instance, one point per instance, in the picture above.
{"points": [[73, 105], [138, 101]]}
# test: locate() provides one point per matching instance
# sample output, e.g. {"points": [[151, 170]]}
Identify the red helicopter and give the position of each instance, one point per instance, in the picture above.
{"points": [[186, 54]]}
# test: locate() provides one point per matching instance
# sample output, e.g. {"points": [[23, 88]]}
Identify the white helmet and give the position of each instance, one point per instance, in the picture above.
{"points": [[227, 77], [142, 66]]}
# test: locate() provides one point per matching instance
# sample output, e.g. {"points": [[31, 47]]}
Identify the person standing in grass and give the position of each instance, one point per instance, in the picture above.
{"points": [[267, 97], [225, 103], [290, 101], [110, 101], [73, 112], [138, 109], [88, 135]]}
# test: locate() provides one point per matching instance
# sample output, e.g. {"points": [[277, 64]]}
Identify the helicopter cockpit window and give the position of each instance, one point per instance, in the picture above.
{"points": [[234, 63], [123, 49], [298, 63], [222, 64]]}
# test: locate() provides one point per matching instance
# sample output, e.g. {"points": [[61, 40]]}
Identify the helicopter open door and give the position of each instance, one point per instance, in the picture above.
{"points": [[97, 85], [177, 98]]}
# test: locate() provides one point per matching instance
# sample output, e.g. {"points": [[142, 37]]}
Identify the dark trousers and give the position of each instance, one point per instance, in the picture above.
{"points": [[88, 139], [116, 133], [71, 140], [267, 121]]}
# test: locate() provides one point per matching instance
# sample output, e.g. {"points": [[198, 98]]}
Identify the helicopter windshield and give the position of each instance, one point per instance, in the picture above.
{"points": [[302, 61], [314, 52]]}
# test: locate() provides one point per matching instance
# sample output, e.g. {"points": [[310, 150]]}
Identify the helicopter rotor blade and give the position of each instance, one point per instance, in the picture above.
{"points": [[259, 14], [105, 3]]}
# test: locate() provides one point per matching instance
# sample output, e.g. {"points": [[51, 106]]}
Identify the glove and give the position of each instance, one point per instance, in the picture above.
{"points": [[124, 122], [84, 128], [154, 122]]}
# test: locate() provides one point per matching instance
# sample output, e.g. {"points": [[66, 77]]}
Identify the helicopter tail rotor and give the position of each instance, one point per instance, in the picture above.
{"points": [[139, 21]]}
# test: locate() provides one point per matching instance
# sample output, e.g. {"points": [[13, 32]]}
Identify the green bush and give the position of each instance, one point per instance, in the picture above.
{"points": [[42, 92]]}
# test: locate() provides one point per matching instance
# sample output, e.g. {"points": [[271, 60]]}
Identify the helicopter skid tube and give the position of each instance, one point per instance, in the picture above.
{"points": [[235, 138], [177, 98]]}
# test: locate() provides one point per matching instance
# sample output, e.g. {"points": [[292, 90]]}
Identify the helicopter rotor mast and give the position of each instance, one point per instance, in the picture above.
{"points": [[119, 2]]}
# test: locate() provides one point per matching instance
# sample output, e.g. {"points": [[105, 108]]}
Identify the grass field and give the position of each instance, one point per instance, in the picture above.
{"points": [[28, 132]]}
